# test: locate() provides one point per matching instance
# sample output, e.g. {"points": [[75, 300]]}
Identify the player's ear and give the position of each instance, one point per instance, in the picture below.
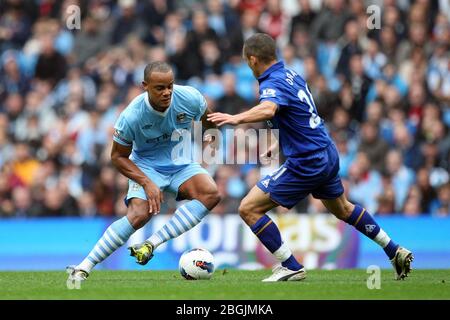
{"points": [[144, 85]]}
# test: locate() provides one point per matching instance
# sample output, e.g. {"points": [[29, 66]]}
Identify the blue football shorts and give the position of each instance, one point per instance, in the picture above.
{"points": [[316, 174], [165, 181]]}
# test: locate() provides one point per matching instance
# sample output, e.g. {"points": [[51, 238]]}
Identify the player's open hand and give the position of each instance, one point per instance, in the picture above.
{"points": [[220, 118], [155, 197]]}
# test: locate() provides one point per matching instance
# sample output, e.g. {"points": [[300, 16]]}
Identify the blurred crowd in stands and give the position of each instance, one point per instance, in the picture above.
{"points": [[384, 93]]}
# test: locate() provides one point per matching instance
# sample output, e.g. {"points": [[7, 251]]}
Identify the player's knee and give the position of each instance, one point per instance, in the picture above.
{"points": [[348, 208], [245, 210], [210, 198], [138, 220], [138, 214], [215, 198], [345, 211], [249, 212]]}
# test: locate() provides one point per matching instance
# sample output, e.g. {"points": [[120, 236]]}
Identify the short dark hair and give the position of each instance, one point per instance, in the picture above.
{"points": [[262, 46], [156, 66]]}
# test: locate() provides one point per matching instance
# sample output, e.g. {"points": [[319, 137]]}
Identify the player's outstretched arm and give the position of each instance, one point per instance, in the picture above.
{"points": [[120, 159], [262, 112]]}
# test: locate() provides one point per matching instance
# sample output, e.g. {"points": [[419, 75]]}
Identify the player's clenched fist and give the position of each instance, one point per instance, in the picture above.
{"points": [[154, 196]]}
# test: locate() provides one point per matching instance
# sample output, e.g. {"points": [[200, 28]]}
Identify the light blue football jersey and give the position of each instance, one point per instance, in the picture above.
{"points": [[149, 132]]}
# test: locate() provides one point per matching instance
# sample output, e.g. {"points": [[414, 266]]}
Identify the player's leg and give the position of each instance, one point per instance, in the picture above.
{"points": [[192, 183], [114, 237], [202, 192], [253, 210], [363, 221], [120, 231], [331, 192]]}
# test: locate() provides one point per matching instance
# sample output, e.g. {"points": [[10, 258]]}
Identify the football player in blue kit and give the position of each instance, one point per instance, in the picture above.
{"points": [[142, 151], [311, 167]]}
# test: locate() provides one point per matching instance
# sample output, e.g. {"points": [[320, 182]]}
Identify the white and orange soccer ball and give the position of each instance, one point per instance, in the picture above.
{"points": [[196, 264]]}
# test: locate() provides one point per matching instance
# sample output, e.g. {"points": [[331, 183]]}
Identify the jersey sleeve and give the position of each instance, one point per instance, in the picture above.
{"points": [[201, 105], [269, 91], [123, 134]]}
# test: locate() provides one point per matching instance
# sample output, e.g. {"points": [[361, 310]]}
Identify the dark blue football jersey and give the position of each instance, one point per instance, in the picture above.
{"points": [[301, 130]]}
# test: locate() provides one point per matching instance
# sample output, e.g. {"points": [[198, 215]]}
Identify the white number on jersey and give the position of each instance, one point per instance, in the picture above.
{"points": [[314, 120]]}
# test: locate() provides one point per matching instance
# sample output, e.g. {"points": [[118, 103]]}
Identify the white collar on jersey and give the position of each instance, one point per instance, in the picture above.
{"points": [[147, 102]]}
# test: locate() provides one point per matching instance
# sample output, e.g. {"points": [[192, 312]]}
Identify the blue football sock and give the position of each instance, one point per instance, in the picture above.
{"points": [[267, 232], [364, 223]]}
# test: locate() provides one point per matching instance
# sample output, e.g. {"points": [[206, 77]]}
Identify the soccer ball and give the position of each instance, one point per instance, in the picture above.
{"points": [[196, 264]]}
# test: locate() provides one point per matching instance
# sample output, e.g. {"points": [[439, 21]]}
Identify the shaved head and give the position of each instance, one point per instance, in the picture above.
{"points": [[157, 66]]}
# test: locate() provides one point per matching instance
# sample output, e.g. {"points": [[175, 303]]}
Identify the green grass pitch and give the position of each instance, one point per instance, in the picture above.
{"points": [[232, 284]]}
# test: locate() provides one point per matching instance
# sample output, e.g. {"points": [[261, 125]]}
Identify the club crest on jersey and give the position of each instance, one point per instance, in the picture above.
{"points": [[181, 117], [268, 93]]}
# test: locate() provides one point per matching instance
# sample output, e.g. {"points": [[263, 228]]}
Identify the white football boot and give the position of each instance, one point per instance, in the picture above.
{"points": [[280, 273], [76, 275], [402, 263]]}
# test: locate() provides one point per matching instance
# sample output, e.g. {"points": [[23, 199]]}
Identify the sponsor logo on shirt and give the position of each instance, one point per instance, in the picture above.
{"points": [[147, 126], [164, 137]]}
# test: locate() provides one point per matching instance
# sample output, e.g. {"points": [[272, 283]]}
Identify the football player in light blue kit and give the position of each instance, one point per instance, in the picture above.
{"points": [[142, 151]]}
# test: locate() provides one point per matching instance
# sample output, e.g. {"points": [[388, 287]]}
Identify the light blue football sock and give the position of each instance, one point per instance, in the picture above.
{"points": [[185, 218], [114, 237]]}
